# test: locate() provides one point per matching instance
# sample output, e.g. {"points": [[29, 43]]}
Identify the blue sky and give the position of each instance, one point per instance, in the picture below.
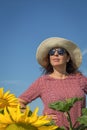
{"points": [[24, 24]]}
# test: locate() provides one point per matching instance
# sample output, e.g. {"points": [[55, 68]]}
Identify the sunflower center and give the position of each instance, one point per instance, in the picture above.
{"points": [[21, 126]]}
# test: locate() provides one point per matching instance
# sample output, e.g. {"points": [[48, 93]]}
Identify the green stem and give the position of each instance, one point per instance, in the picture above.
{"points": [[70, 122]]}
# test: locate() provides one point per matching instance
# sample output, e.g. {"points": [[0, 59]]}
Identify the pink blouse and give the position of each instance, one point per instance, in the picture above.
{"points": [[50, 89]]}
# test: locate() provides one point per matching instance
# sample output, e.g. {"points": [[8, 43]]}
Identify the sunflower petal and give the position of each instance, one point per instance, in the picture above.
{"points": [[1, 92]]}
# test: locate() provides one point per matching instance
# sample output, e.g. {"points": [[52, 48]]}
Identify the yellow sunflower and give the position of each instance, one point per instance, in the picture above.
{"points": [[7, 99], [14, 119]]}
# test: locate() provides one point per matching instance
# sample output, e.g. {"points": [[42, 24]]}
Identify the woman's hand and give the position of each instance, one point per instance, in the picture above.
{"points": [[53, 117], [22, 104]]}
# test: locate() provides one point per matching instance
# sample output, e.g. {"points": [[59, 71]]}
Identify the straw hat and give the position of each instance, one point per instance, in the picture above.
{"points": [[48, 44]]}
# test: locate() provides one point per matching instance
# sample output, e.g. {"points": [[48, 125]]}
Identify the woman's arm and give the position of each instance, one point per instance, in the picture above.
{"points": [[31, 93]]}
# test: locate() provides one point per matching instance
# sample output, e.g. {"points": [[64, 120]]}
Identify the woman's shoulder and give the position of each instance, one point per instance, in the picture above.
{"points": [[42, 77], [80, 76], [77, 76]]}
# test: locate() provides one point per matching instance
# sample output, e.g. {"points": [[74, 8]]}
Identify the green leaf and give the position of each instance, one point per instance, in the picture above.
{"points": [[83, 120], [60, 106], [64, 106], [72, 101], [80, 127], [84, 111]]}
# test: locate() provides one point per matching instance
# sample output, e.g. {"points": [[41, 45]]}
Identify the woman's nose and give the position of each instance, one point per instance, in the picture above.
{"points": [[56, 53]]}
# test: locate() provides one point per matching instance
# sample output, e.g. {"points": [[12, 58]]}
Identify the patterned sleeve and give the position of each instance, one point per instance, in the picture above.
{"points": [[83, 83], [32, 92]]}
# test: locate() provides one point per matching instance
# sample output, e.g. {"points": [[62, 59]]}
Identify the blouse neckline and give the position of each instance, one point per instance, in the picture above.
{"points": [[53, 78]]}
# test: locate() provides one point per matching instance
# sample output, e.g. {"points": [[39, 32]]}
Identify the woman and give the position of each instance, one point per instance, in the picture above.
{"points": [[60, 59]]}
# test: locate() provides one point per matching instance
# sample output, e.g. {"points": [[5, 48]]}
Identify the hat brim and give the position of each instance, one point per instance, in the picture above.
{"points": [[46, 45]]}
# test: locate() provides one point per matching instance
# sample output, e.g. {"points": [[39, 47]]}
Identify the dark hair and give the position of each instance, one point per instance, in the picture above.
{"points": [[70, 68]]}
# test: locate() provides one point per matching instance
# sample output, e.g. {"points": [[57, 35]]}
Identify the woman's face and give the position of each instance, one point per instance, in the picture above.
{"points": [[58, 57]]}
